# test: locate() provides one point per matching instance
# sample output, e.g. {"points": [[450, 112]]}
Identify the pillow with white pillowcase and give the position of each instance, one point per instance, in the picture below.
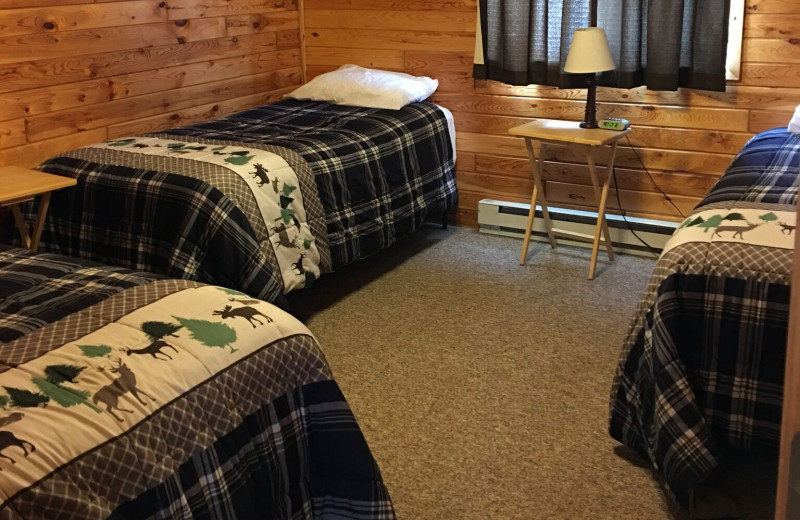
{"points": [[356, 86], [794, 124]]}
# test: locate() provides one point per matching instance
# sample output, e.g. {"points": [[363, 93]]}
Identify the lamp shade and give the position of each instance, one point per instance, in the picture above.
{"points": [[589, 52]]}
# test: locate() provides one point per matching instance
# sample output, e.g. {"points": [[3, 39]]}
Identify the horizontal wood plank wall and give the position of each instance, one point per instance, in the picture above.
{"points": [[686, 138], [74, 72]]}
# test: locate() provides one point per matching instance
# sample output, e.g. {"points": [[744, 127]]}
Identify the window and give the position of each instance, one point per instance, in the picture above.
{"points": [[735, 31], [526, 42]]}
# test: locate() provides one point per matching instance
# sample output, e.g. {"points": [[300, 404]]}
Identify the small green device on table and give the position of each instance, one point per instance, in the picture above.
{"points": [[613, 123]]}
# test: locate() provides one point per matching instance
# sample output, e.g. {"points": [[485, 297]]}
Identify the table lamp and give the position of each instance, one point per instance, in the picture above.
{"points": [[589, 54]]}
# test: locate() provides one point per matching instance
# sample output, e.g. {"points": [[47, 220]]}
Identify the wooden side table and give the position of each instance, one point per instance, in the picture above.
{"points": [[18, 185], [541, 132]]}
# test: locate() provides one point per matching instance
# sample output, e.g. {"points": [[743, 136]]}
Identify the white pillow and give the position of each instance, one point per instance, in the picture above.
{"points": [[794, 124], [356, 86]]}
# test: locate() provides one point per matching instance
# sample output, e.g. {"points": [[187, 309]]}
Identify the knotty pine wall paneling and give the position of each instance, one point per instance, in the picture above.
{"points": [[686, 138], [73, 72]]}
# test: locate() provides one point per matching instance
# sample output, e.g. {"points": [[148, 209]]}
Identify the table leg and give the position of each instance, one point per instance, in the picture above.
{"points": [[538, 172], [22, 227], [601, 214], [532, 211], [590, 159], [44, 203], [526, 241]]}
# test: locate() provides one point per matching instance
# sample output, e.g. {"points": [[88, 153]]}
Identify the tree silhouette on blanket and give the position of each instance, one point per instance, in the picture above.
{"points": [[62, 395], [53, 386], [159, 329], [22, 398], [734, 216], [209, 333], [238, 158], [692, 223], [58, 374], [711, 223], [94, 351]]}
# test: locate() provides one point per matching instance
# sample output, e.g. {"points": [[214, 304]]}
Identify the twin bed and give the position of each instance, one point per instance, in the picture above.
{"points": [[701, 372], [263, 201], [129, 395]]}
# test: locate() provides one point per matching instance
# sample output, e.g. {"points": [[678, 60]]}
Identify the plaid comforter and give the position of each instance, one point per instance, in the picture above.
{"points": [[702, 367], [129, 396], [367, 178], [379, 173]]}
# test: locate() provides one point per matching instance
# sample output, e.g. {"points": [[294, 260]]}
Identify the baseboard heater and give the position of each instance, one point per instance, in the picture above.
{"points": [[509, 219]]}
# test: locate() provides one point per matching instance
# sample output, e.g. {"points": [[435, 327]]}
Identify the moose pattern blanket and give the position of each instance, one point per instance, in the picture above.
{"points": [[701, 370], [263, 201], [274, 186], [125, 395]]}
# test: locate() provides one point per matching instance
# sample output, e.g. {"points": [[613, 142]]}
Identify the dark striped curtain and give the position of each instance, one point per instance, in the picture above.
{"points": [[526, 41], [663, 44]]}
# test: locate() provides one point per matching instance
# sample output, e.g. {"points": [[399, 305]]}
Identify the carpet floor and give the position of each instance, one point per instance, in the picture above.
{"points": [[482, 386]]}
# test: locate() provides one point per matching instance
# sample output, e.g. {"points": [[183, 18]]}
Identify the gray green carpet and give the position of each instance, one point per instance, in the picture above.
{"points": [[481, 385]]}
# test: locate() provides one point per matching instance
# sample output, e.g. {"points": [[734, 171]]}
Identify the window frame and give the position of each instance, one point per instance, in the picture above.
{"points": [[733, 57]]}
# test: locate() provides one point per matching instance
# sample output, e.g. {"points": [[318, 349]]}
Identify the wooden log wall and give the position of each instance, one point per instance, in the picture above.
{"points": [[73, 72], [686, 138]]}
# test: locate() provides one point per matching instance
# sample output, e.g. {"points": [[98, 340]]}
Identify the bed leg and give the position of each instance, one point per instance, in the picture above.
{"points": [[444, 220]]}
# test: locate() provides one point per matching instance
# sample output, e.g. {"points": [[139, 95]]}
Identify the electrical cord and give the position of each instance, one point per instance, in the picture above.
{"points": [[656, 186], [623, 213], [625, 218]]}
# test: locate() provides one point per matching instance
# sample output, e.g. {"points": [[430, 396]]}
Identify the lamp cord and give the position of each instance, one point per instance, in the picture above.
{"points": [[623, 213], [625, 218], [652, 180]]}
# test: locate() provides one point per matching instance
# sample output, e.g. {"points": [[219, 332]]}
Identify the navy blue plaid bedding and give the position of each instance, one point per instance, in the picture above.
{"points": [[702, 367], [763, 171], [38, 288], [154, 221], [379, 173], [300, 457], [377, 176], [261, 431]]}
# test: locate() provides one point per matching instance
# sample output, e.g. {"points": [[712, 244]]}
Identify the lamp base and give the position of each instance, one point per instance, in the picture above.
{"points": [[590, 115]]}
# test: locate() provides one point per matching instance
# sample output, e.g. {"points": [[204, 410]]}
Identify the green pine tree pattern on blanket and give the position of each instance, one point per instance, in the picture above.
{"points": [[53, 386], [94, 351], [156, 330], [232, 292], [51, 389], [64, 396], [266, 172], [209, 333], [22, 398], [59, 382]]}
